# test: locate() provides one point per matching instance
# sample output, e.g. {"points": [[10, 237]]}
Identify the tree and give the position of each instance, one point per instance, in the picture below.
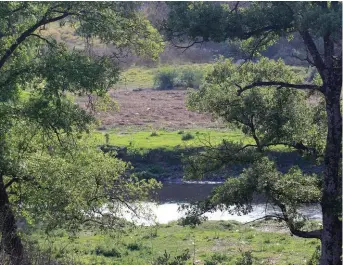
{"points": [[258, 25], [48, 171]]}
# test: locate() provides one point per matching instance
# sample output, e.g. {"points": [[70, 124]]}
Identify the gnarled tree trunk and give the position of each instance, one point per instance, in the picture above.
{"points": [[10, 241], [331, 239]]}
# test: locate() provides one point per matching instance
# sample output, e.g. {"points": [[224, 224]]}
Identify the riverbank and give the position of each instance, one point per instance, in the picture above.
{"points": [[220, 242], [161, 154]]}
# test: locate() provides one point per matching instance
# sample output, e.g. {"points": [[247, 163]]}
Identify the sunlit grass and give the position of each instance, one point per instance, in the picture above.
{"points": [[143, 245], [170, 139]]}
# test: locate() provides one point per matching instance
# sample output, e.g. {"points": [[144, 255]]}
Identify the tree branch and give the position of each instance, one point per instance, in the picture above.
{"points": [[299, 146], [265, 217], [279, 84], [13, 180], [27, 33], [311, 46], [188, 46], [42, 38], [307, 59], [304, 234]]}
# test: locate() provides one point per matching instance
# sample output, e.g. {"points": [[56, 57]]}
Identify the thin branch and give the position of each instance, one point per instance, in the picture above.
{"points": [[307, 59], [188, 46], [299, 146], [42, 38], [235, 8]]}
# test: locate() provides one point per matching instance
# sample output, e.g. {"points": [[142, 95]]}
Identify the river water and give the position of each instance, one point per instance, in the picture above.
{"points": [[174, 194]]}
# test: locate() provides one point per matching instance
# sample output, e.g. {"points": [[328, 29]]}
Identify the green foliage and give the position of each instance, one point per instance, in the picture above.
{"points": [[289, 190], [186, 76], [47, 174], [154, 133], [217, 259], [165, 78], [178, 260], [258, 24], [246, 259], [269, 115], [107, 252], [134, 246], [53, 175], [209, 238], [187, 136], [315, 257], [191, 78]]}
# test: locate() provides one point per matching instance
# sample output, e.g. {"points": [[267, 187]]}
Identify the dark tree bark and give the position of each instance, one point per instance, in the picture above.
{"points": [[331, 241], [10, 241]]}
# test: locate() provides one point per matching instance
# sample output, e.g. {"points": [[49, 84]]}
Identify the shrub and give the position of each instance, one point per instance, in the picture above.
{"points": [[187, 136], [178, 260], [191, 77], [156, 169], [154, 133], [217, 259], [246, 259], [134, 246], [166, 78], [186, 76], [107, 252]]}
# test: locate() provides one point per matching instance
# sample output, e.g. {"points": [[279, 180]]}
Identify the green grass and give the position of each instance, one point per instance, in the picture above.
{"points": [[143, 77], [169, 139], [144, 244]]}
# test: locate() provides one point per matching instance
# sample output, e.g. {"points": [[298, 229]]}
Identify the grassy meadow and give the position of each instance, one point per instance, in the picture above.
{"points": [[211, 243], [163, 139]]}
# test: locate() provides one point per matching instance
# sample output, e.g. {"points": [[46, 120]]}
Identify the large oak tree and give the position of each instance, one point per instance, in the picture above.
{"points": [[251, 96], [47, 174]]}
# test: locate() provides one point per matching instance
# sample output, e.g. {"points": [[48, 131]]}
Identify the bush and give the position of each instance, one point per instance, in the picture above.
{"points": [[134, 246], [166, 78], [178, 260], [246, 259], [191, 78], [217, 259], [107, 252], [154, 133], [185, 76], [187, 136]]}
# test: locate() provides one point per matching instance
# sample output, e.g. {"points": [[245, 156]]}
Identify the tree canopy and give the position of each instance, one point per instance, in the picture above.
{"points": [[262, 99], [48, 170]]}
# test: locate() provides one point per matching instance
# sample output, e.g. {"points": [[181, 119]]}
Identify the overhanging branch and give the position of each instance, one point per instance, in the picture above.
{"points": [[27, 33], [304, 234], [278, 84]]}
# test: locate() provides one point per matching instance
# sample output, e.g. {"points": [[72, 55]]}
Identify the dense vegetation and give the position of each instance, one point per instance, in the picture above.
{"points": [[264, 91], [47, 174], [65, 190], [211, 243]]}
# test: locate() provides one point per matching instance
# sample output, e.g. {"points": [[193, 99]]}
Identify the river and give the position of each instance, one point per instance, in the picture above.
{"points": [[173, 194]]}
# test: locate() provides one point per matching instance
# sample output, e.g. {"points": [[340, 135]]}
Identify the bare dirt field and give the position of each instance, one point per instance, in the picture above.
{"points": [[153, 108]]}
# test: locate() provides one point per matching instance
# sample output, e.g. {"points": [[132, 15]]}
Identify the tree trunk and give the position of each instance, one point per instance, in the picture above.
{"points": [[10, 241], [331, 240]]}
